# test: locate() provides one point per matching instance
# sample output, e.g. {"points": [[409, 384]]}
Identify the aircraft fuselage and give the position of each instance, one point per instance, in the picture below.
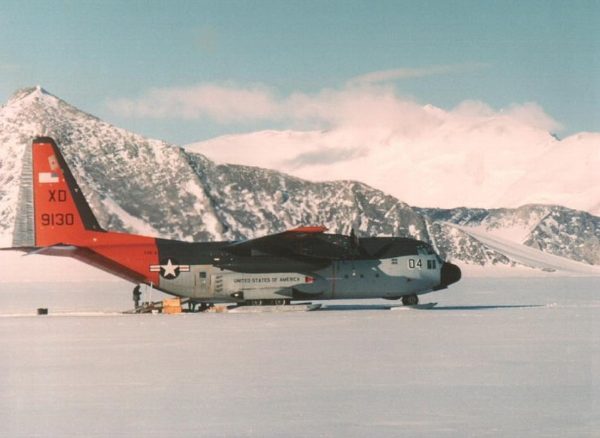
{"points": [[204, 272]]}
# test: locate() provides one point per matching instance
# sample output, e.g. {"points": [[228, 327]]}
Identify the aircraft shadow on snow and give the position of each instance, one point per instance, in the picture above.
{"points": [[489, 306], [346, 307]]}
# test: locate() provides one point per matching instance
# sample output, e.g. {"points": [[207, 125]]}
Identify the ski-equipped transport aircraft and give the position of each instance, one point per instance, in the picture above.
{"points": [[54, 218]]}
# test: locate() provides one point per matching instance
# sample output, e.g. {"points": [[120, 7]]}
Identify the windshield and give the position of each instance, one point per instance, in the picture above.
{"points": [[425, 249]]}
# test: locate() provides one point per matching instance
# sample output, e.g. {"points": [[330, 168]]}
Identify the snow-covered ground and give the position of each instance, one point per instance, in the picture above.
{"points": [[497, 357]]}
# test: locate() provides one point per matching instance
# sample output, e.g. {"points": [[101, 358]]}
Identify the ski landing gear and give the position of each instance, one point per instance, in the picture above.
{"points": [[410, 300], [277, 302], [196, 306]]}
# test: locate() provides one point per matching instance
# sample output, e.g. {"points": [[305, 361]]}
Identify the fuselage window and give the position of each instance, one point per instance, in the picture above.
{"points": [[394, 261]]}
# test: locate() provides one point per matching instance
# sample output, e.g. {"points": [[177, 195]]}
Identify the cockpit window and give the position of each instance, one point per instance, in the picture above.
{"points": [[425, 249]]}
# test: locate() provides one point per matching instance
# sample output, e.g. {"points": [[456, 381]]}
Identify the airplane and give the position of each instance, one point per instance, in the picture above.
{"points": [[54, 218]]}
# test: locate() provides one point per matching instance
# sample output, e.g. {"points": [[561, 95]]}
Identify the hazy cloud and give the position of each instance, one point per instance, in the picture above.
{"points": [[409, 73], [474, 108], [359, 107], [367, 109], [533, 115], [364, 100], [325, 155], [224, 103]]}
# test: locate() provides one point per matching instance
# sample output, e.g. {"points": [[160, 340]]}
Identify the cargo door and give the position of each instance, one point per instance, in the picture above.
{"points": [[202, 284]]}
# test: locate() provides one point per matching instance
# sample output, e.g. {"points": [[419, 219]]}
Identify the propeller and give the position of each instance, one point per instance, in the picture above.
{"points": [[353, 238]]}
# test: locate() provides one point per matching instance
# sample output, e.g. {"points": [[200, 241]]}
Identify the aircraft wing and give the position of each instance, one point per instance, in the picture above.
{"points": [[302, 242]]}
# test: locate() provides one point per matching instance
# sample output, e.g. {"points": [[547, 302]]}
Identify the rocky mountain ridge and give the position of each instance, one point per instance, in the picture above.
{"points": [[151, 187]]}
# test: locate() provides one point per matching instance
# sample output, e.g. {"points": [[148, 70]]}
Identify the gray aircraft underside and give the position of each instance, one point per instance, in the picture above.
{"points": [[390, 278]]}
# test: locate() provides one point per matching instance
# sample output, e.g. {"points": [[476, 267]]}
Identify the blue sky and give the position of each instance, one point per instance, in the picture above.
{"points": [[96, 53]]}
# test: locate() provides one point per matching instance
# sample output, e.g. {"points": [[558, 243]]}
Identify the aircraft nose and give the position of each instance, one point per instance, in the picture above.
{"points": [[450, 274]]}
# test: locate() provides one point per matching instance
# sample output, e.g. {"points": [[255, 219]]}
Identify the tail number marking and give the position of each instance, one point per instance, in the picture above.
{"points": [[58, 219], [57, 195]]}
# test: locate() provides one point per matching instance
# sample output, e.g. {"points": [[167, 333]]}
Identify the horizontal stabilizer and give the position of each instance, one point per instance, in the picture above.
{"points": [[66, 250]]}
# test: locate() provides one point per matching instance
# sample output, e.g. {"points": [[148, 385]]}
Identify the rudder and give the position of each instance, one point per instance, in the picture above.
{"points": [[61, 215]]}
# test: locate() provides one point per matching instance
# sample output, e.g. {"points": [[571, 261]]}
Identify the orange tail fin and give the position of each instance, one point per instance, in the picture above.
{"points": [[54, 218], [62, 215]]}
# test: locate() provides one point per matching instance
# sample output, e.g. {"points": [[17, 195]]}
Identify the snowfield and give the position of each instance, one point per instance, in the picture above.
{"points": [[497, 357]]}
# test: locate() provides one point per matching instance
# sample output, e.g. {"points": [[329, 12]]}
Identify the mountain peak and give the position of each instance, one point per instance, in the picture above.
{"points": [[31, 95], [38, 106]]}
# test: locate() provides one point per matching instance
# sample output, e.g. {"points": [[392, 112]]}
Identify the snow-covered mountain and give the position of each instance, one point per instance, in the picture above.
{"points": [[133, 183], [551, 229], [151, 187], [448, 159]]}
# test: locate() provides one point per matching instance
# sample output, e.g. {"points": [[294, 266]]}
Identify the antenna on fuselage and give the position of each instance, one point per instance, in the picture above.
{"points": [[353, 238]]}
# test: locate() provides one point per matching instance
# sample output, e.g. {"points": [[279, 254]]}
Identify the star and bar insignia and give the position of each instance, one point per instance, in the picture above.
{"points": [[169, 269]]}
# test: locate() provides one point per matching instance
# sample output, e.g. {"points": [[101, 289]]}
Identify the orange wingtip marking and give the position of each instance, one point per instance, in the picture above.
{"points": [[311, 229]]}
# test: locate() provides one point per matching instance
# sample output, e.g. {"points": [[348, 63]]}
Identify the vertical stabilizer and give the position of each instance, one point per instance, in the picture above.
{"points": [[61, 215], [53, 218]]}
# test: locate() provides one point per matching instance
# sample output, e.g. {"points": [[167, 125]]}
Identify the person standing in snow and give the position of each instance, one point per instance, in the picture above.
{"points": [[137, 293]]}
